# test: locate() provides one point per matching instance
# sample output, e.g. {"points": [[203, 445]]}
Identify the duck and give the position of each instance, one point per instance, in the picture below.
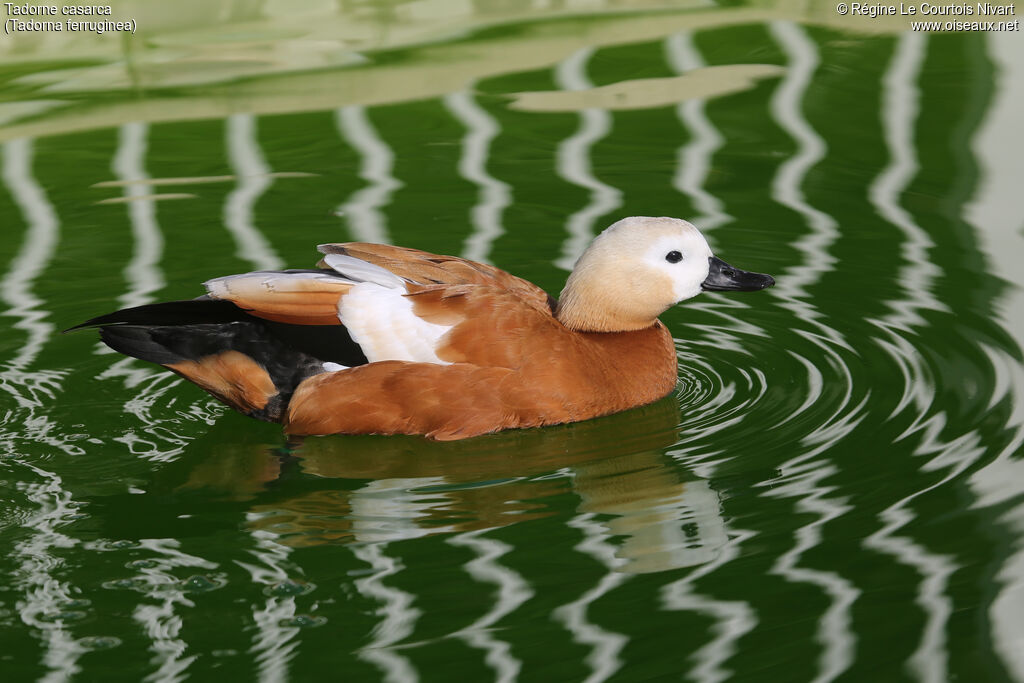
{"points": [[382, 339]]}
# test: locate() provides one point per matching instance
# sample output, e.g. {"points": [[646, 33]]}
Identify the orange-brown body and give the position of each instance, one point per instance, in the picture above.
{"points": [[528, 376]]}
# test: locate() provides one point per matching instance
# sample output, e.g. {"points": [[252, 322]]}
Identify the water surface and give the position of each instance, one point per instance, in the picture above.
{"points": [[836, 490]]}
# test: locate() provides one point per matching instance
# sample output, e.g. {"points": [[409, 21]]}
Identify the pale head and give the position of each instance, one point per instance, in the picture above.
{"points": [[638, 268]]}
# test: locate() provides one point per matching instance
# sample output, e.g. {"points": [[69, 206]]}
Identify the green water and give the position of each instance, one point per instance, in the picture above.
{"points": [[835, 491]]}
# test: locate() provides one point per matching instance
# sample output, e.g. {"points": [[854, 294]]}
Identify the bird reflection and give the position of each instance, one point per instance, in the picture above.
{"points": [[371, 489]]}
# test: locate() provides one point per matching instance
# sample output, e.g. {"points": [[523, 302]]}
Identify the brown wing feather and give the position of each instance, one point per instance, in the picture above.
{"points": [[490, 326], [282, 297], [425, 268]]}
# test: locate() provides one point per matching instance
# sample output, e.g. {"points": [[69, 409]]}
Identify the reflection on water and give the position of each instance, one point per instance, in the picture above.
{"points": [[832, 491], [990, 212], [651, 92], [415, 488]]}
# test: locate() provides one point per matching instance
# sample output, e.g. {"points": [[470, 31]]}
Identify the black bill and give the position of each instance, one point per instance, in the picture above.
{"points": [[724, 278]]}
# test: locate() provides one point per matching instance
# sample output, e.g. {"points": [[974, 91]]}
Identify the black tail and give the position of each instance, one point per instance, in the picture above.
{"points": [[251, 364]]}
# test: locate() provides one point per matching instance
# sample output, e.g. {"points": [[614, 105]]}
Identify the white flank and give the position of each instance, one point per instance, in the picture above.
{"points": [[381, 320]]}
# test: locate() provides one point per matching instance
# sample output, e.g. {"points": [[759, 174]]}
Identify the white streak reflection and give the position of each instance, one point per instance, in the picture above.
{"points": [[900, 97], [930, 659], [160, 619], [694, 158], [804, 482], [275, 642], [733, 618], [793, 288], [995, 213], [398, 616], [44, 600], [494, 195], [387, 510], [802, 476], [513, 591], [29, 389], [129, 165], [899, 115], [787, 110], [664, 524], [603, 659], [253, 179], [574, 163], [156, 440], [382, 511], [43, 605], [362, 209], [144, 276]]}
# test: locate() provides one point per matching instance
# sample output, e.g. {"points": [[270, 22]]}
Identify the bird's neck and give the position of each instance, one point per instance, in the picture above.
{"points": [[604, 313]]}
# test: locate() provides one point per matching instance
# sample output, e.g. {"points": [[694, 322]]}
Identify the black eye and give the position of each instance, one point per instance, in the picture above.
{"points": [[673, 257]]}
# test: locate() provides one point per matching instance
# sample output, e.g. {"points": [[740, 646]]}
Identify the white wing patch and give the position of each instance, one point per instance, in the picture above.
{"points": [[372, 307], [381, 320], [358, 270]]}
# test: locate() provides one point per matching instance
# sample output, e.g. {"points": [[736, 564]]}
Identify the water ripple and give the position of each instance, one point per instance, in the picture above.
{"points": [[513, 590], [694, 158], [398, 616], [493, 194], [573, 161], [143, 271], [275, 641], [44, 595], [606, 645], [365, 219], [159, 616], [253, 177]]}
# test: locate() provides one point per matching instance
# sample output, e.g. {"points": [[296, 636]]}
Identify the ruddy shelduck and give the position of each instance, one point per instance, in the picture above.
{"points": [[388, 340]]}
